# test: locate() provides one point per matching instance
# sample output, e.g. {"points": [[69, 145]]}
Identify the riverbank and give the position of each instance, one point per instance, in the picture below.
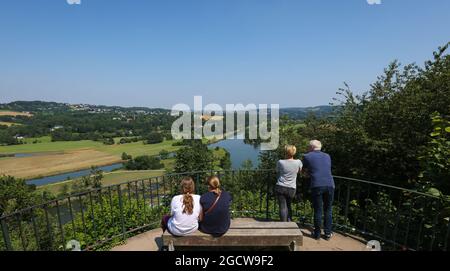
{"points": [[109, 178], [72, 175], [67, 156]]}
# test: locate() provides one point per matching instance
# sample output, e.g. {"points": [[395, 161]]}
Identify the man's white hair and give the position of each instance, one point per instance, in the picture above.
{"points": [[315, 145]]}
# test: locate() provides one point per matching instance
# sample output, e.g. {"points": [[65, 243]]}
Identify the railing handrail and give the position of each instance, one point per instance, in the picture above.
{"points": [[391, 186], [389, 208], [78, 194]]}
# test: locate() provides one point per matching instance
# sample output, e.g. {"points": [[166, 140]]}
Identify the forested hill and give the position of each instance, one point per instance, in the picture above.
{"points": [[72, 122], [41, 106], [303, 112]]}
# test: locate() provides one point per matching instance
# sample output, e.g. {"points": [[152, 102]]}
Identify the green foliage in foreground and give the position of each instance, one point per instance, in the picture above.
{"points": [[435, 161], [110, 217], [100, 218], [98, 222], [15, 195]]}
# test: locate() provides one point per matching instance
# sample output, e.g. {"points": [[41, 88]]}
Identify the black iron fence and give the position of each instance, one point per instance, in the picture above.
{"points": [[99, 218]]}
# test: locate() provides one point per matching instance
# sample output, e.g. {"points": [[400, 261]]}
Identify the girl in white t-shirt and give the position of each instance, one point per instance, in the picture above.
{"points": [[185, 210]]}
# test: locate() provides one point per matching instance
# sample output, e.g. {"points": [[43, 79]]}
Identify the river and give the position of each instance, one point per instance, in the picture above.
{"points": [[239, 152], [71, 175]]}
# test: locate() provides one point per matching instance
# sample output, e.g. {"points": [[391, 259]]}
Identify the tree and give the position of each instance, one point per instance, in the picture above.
{"points": [[77, 186], [91, 181], [144, 162], [125, 140], [196, 157], [168, 136], [96, 177], [163, 154], [16, 194], [7, 137], [247, 165], [64, 190], [225, 161], [435, 161], [126, 156], [154, 138], [47, 195], [108, 141]]}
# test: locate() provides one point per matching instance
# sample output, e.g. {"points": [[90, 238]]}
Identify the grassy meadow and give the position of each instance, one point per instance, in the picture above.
{"points": [[65, 156], [46, 145]]}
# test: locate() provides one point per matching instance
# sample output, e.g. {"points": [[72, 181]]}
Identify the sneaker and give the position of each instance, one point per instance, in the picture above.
{"points": [[328, 236], [316, 236]]}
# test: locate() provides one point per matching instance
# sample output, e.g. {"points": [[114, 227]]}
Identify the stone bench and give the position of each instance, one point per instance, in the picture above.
{"points": [[242, 233]]}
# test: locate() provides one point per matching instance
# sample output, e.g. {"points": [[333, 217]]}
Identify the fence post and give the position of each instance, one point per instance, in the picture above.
{"points": [[49, 227], [267, 199], [347, 199], [446, 236], [61, 229], [119, 191], [435, 222], [6, 235]]}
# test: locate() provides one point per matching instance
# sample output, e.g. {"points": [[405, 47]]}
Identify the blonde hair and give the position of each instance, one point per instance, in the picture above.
{"points": [[290, 150], [214, 183], [315, 145], [187, 189]]}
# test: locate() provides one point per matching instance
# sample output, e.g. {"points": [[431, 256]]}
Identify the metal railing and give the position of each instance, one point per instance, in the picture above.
{"points": [[401, 218]]}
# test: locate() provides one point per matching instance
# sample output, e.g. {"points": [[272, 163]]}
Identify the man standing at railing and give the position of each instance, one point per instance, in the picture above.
{"points": [[318, 166]]}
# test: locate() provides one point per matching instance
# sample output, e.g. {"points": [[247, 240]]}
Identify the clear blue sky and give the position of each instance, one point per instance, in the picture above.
{"points": [[158, 53]]}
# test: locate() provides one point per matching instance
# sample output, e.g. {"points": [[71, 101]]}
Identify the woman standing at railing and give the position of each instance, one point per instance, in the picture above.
{"points": [[185, 210], [287, 170]]}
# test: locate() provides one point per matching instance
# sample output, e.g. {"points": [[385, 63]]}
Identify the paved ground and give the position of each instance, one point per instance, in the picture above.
{"points": [[151, 241], [339, 242], [148, 241]]}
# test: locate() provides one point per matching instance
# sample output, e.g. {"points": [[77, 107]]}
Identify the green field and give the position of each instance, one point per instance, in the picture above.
{"points": [[66, 156], [46, 145]]}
